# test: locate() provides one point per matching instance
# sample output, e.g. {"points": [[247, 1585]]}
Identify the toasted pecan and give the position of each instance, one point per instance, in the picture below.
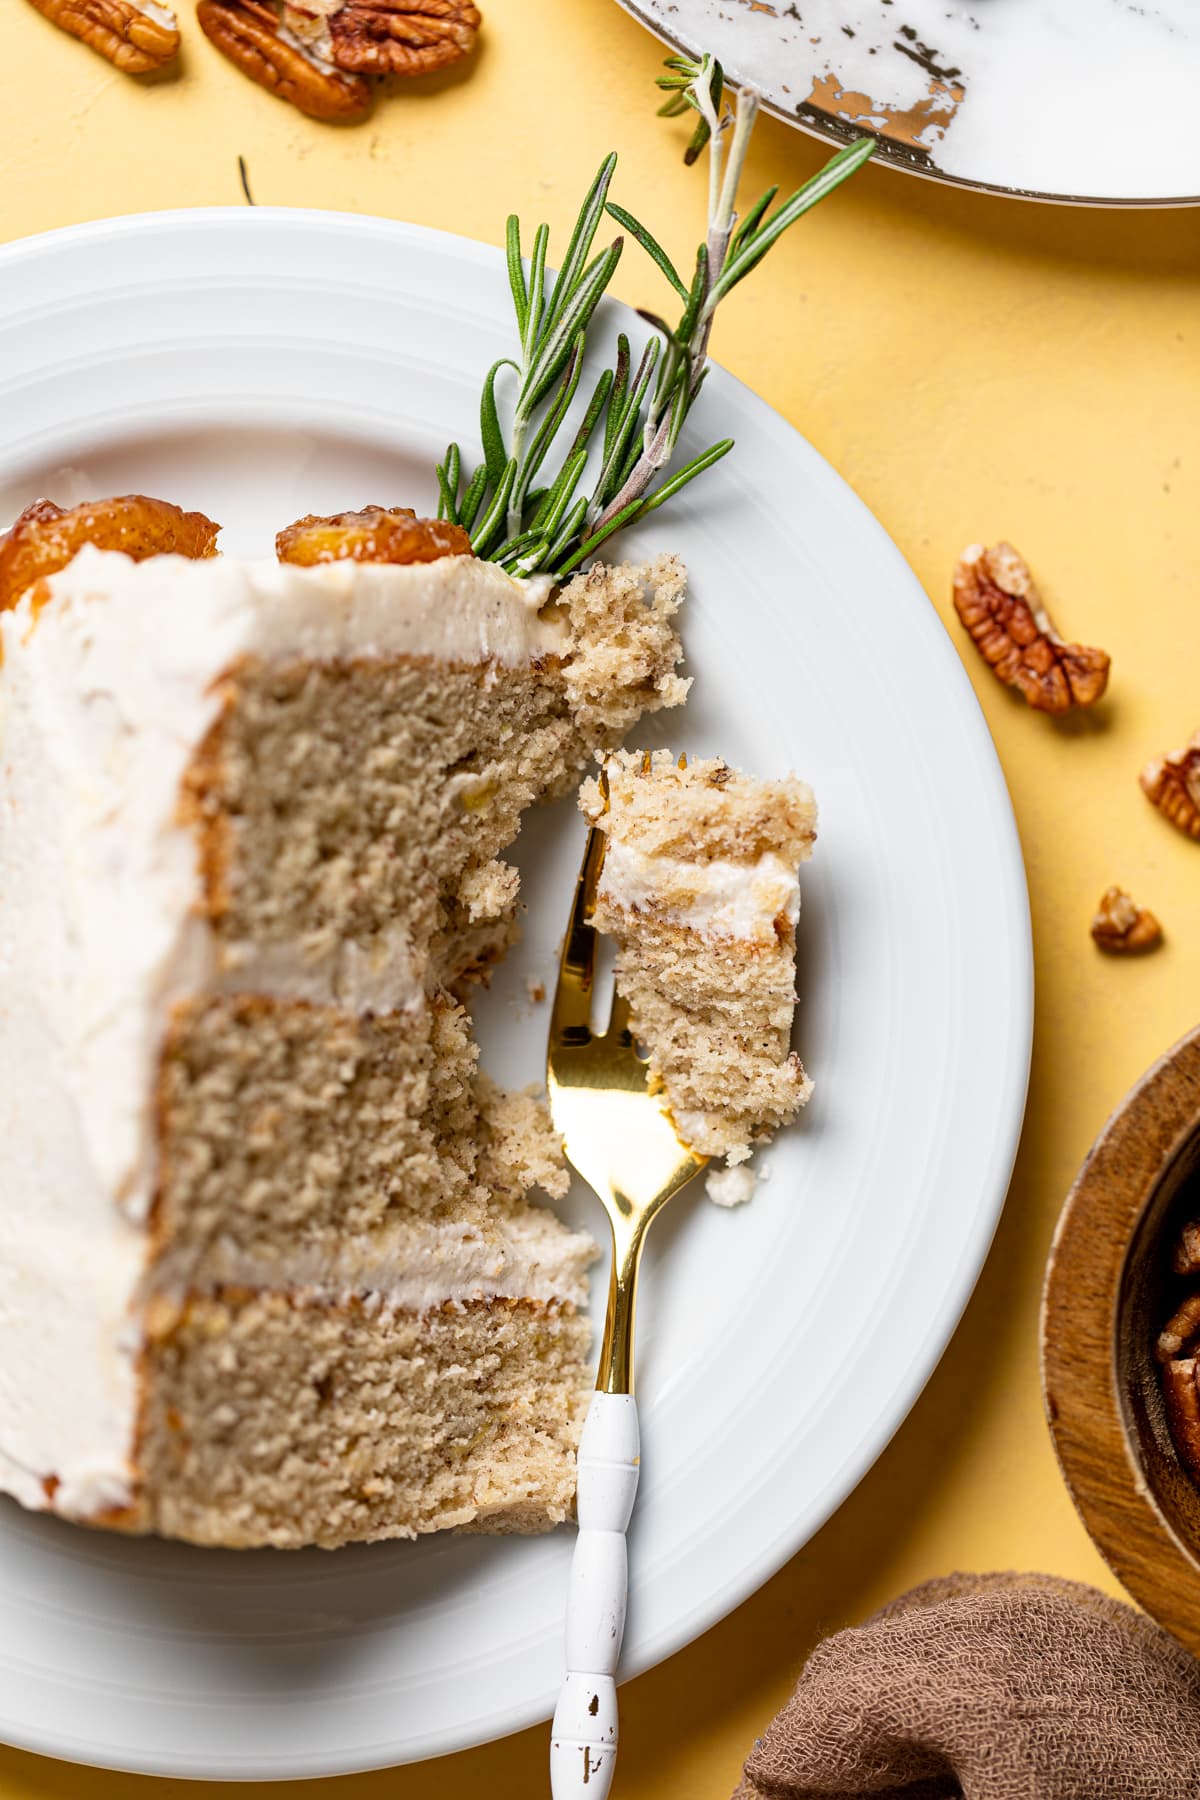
{"points": [[376, 534], [1185, 1259], [1122, 927], [1182, 1398], [248, 33], [46, 537], [401, 37], [997, 601], [1172, 783], [134, 38]]}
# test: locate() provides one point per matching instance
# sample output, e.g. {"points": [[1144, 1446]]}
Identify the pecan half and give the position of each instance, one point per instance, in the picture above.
{"points": [[46, 537], [1186, 1259], [1182, 1397], [399, 37], [377, 534], [134, 37], [1172, 783], [1176, 1350], [1122, 927], [248, 33], [997, 601], [1178, 1334]]}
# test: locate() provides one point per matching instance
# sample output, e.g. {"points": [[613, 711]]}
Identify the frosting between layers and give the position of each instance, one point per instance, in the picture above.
{"points": [[716, 899], [105, 693], [529, 1255]]}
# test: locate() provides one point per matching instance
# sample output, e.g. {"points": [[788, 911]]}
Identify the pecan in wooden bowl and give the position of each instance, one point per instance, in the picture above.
{"points": [[1121, 1341]]}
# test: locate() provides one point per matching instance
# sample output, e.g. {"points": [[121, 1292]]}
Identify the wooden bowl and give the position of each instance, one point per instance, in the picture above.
{"points": [[1109, 1289]]}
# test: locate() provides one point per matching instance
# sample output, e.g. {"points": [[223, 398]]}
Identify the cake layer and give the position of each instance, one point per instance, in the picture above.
{"points": [[275, 1419], [306, 1146], [341, 806], [291, 1129]]}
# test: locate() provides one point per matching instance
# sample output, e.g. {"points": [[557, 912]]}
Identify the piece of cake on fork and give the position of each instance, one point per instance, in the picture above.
{"points": [[700, 890]]}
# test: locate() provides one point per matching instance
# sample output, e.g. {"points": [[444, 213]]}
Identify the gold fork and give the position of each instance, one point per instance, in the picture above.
{"points": [[622, 1141]]}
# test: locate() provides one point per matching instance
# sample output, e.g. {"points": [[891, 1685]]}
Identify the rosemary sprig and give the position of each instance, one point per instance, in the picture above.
{"points": [[634, 415]]}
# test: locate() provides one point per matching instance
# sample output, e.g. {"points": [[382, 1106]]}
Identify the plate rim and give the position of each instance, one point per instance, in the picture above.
{"points": [[956, 1292], [817, 122]]}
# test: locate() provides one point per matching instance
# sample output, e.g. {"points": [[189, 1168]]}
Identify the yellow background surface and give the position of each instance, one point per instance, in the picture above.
{"points": [[976, 368]]}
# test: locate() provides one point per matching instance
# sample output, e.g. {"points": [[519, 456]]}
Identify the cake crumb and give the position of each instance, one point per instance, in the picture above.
{"points": [[731, 1187], [536, 990]]}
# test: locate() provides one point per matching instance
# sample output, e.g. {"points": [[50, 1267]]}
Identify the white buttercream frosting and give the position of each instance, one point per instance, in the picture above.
{"points": [[421, 1264], [105, 694], [715, 899]]}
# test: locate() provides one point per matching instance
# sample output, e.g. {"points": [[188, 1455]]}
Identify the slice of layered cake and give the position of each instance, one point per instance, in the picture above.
{"points": [[700, 889], [268, 1269]]}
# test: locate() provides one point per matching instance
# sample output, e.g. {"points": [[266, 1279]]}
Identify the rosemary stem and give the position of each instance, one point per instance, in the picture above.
{"points": [[643, 472], [721, 218], [702, 91], [512, 519], [520, 505]]}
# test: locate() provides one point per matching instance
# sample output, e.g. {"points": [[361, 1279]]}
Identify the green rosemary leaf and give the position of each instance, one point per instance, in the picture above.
{"points": [[572, 272], [624, 446], [571, 526], [537, 286], [535, 499], [650, 245], [696, 297], [476, 488], [616, 401], [448, 477], [494, 453], [563, 493], [671, 109], [836, 170], [531, 559], [700, 137], [562, 490], [555, 346], [516, 273], [596, 405], [752, 220], [513, 546], [689, 472], [681, 401], [625, 517], [533, 458], [493, 517], [672, 370]]}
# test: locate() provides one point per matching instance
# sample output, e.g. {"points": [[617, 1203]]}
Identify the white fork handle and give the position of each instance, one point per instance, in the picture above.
{"points": [[583, 1743]]}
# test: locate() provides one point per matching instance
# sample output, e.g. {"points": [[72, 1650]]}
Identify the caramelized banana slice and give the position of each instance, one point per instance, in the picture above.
{"points": [[377, 534], [46, 537]]}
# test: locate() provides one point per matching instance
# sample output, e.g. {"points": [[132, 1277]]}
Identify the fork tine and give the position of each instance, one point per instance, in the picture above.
{"points": [[618, 1020], [571, 1013]]}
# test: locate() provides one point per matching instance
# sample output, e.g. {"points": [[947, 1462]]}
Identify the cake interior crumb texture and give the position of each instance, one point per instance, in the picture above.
{"points": [[343, 1316], [700, 890]]}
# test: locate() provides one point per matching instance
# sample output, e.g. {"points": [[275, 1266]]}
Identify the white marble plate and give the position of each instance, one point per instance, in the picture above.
{"points": [[1092, 101], [264, 364]]}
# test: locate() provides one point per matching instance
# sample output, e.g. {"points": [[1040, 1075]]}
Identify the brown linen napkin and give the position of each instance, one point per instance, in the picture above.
{"points": [[989, 1687]]}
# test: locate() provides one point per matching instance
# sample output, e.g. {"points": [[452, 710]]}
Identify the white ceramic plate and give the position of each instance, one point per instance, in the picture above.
{"points": [[264, 364], [1091, 101]]}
